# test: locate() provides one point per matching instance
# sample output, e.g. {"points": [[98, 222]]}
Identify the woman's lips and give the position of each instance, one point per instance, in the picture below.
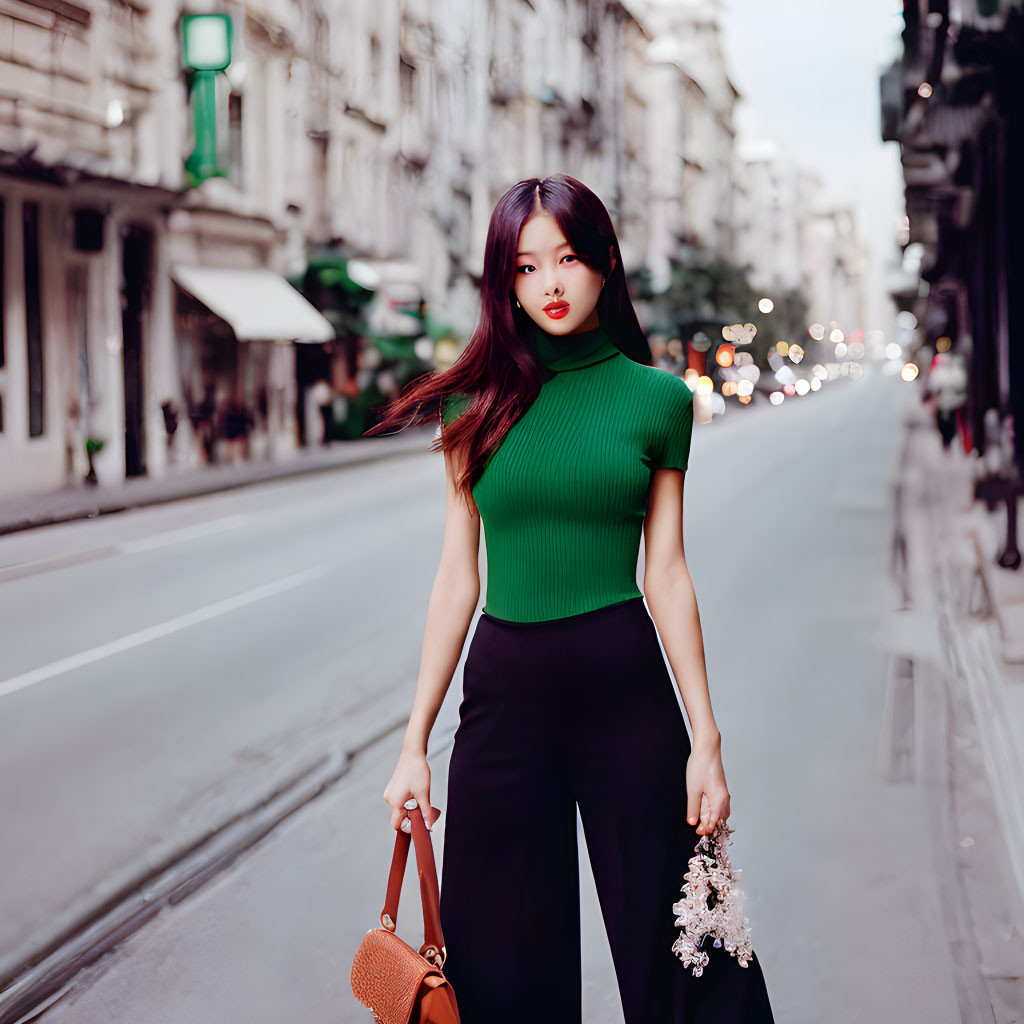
{"points": [[557, 313]]}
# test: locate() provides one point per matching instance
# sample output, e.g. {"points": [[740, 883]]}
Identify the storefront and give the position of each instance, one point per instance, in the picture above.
{"points": [[234, 331]]}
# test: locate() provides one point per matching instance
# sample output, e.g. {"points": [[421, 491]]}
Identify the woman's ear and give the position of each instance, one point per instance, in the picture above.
{"points": [[611, 254]]}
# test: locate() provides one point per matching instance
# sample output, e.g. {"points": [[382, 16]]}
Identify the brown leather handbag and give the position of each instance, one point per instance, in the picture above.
{"points": [[397, 983]]}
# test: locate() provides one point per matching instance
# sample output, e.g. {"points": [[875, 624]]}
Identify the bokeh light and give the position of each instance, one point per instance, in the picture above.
{"points": [[741, 334]]}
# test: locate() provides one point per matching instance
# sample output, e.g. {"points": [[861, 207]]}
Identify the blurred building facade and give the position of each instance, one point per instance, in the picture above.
{"points": [[955, 104], [834, 259], [157, 192], [692, 102], [101, 339], [774, 201], [791, 239]]}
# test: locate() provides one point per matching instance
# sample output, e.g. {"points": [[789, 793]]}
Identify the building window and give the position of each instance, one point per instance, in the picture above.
{"points": [[33, 318], [375, 82], [3, 302], [3, 285], [235, 139], [407, 77], [228, 105]]}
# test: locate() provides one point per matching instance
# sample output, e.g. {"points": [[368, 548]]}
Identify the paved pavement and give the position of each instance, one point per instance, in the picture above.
{"points": [[983, 605], [85, 501], [975, 610]]}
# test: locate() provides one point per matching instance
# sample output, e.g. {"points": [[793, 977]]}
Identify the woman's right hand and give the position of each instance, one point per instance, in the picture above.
{"points": [[411, 778]]}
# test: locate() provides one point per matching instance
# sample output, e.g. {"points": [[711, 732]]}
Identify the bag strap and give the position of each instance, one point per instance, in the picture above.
{"points": [[433, 946]]}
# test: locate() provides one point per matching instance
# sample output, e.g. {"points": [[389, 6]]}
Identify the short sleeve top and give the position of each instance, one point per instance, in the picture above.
{"points": [[562, 499]]}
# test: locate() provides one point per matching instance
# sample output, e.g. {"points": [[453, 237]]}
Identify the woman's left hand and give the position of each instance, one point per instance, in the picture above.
{"points": [[705, 785]]}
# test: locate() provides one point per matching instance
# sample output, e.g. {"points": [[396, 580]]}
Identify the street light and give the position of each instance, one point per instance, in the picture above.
{"points": [[205, 51]]}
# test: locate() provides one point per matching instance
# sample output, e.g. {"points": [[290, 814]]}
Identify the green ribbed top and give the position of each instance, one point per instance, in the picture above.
{"points": [[562, 499]]}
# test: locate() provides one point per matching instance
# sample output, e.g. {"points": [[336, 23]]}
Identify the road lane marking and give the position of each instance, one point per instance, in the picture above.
{"points": [[144, 636]]}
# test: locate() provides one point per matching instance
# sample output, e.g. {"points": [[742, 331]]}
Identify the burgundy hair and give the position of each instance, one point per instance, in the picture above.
{"points": [[498, 367]]}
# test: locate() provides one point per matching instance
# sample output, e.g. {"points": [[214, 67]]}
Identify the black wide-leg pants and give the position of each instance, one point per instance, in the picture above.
{"points": [[576, 711]]}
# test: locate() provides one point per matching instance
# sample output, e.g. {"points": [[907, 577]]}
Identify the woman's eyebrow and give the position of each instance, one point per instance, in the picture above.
{"points": [[564, 245]]}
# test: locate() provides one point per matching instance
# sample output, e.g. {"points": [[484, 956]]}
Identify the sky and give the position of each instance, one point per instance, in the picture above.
{"points": [[807, 71]]}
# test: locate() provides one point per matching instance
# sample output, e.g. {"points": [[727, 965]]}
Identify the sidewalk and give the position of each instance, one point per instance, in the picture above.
{"points": [[83, 501], [980, 609]]}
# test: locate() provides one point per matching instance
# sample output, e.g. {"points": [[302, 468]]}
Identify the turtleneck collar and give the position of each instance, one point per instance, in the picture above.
{"points": [[572, 351]]}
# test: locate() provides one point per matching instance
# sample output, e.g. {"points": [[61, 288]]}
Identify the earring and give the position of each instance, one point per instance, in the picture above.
{"points": [[518, 306]]}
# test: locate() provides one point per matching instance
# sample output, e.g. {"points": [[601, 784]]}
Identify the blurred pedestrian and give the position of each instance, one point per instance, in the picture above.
{"points": [[323, 395], [946, 390], [557, 433]]}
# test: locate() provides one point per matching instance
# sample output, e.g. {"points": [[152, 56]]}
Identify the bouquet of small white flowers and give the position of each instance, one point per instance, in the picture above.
{"points": [[711, 904]]}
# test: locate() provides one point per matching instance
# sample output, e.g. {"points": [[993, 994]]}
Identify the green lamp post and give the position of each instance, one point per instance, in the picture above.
{"points": [[205, 51]]}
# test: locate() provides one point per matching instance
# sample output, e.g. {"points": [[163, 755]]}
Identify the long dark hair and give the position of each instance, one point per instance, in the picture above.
{"points": [[499, 367]]}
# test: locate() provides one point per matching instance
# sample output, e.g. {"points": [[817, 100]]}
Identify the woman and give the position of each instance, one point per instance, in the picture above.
{"points": [[561, 438]]}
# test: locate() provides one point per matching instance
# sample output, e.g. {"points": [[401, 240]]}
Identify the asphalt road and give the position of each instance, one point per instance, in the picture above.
{"points": [[168, 666]]}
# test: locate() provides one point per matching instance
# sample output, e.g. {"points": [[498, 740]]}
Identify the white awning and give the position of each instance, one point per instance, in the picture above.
{"points": [[259, 305]]}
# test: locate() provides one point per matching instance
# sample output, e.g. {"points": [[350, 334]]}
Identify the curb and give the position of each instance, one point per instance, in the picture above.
{"points": [[111, 924], [42, 981], [82, 504], [39, 984]]}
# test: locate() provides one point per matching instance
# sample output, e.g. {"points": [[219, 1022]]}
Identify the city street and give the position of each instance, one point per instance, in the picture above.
{"points": [[256, 255], [165, 670]]}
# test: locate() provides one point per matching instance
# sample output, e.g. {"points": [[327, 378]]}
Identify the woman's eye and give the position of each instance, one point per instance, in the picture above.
{"points": [[530, 266]]}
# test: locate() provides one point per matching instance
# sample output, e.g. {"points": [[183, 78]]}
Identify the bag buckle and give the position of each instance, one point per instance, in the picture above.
{"points": [[434, 955]]}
